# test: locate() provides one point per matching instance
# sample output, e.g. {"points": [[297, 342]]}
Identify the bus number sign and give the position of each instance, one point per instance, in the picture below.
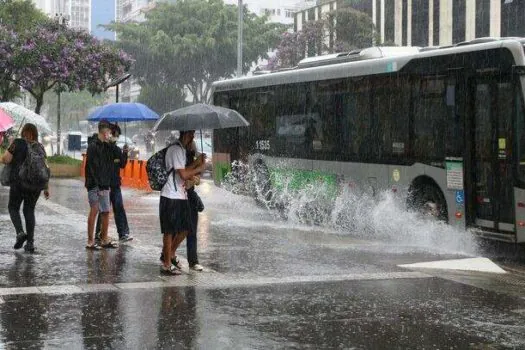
{"points": [[262, 145]]}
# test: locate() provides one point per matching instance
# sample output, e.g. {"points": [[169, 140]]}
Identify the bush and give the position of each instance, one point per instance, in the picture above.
{"points": [[64, 160]]}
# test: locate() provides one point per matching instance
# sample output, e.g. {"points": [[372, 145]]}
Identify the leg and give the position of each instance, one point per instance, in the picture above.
{"points": [[93, 212], [177, 240], [15, 201], [97, 229], [191, 240], [166, 249], [30, 199], [104, 226], [121, 220]]}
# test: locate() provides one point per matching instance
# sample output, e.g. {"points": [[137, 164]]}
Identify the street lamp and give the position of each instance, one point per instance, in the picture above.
{"points": [[239, 39], [61, 20]]}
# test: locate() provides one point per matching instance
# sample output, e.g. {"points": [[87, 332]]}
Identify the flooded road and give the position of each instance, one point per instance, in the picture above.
{"points": [[268, 282]]}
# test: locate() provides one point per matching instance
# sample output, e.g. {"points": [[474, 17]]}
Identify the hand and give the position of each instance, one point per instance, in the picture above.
{"points": [[46, 194], [125, 149]]}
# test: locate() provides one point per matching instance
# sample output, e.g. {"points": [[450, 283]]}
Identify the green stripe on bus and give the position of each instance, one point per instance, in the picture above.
{"points": [[293, 179], [220, 169]]}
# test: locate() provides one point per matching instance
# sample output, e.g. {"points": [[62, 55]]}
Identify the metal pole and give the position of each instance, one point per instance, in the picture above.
{"points": [[116, 94], [58, 124], [239, 39]]}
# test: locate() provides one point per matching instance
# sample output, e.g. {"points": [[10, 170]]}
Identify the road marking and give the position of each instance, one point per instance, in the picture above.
{"points": [[470, 264], [206, 281]]}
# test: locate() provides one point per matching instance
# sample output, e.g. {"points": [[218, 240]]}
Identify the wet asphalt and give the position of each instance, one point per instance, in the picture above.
{"points": [[268, 283]]}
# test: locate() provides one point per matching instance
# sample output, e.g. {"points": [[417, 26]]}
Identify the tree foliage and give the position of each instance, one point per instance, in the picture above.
{"points": [[192, 43], [42, 55], [340, 30]]}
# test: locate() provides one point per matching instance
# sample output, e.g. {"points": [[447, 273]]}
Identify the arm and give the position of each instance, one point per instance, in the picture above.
{"points": [[6, 158], [90, 164], [189, 172], [123, 157]]}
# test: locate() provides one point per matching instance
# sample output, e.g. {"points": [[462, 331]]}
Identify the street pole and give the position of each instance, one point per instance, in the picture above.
{"points": [[239, 39], [58, 124]]}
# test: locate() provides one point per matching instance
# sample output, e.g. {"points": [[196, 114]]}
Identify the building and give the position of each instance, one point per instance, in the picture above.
{"points": [[431, 22], [78, 12], [103, 12], [278, 11]]}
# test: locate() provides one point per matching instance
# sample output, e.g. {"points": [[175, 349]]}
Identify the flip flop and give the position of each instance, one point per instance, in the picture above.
{"points": [[172, 271], [94, 246], [109, 245]]}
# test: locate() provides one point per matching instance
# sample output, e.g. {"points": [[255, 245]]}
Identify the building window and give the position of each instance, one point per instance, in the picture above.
{"points": [[512, 23], [419, 23], [404, 22], [390, 26], [289, 14], [436, 24], [458, 21], [482, 18]]}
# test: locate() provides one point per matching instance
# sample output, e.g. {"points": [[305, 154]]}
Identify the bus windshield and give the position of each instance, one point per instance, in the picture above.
{"points": [[521, 132]]}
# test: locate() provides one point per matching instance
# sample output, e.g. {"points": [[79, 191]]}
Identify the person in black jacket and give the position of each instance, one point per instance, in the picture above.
{"points": [[196, 206], [99, 171], [120, 159]]}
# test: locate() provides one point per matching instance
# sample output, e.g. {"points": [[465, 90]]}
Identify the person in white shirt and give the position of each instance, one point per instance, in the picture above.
{"points": [[174, 210]]}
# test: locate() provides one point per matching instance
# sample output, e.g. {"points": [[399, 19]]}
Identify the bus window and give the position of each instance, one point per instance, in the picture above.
{"points": [[430, 111], [356, 114], [520, 132]]}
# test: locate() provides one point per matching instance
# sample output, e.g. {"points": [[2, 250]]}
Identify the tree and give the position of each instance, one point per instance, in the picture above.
{"points": [[52, 56], [17, 16], [192, 43], [344, 29]]}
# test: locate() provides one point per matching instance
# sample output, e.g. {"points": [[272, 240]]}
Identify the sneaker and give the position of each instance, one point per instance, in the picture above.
{"points": [[126, 238], [171, 271], [197, 267], [98, 241], [20, 239], [29, 247]]}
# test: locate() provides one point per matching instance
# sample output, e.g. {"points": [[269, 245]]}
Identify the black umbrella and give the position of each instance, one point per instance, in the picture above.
{"points": [[200, 116]]}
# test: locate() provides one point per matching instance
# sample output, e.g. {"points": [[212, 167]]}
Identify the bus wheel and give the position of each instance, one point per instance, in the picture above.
{"points": [[261, 185], [428, 200]]}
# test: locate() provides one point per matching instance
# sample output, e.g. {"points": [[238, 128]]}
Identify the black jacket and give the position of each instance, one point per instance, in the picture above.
{"points": [[120, 159], [99, 165]]}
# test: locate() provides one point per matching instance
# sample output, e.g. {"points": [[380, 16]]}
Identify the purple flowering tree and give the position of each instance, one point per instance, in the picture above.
{"points": [[50, 56]]}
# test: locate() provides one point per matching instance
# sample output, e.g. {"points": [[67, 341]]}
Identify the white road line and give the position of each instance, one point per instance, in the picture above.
{"points": [[205, 281]]}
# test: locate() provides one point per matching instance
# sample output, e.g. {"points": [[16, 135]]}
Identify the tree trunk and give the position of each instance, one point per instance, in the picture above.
{"points": [[39, 103]]}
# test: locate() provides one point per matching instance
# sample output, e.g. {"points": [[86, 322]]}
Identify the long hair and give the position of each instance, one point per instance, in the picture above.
{"points": [[30, 132]]}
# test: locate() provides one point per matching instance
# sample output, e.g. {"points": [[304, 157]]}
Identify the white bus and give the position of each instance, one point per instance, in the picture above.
{"points": [[442, 126]]}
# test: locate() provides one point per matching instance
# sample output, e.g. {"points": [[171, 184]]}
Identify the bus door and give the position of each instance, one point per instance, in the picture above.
{"points": [[491, 185]]}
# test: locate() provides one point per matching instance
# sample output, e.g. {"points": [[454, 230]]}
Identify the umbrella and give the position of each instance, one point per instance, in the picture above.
{"points": [[123, 112], [22, 115], [200, 116], [6, 122]]}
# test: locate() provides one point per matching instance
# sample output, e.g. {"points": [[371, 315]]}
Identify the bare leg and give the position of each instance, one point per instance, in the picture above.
{"points": [[166, 249], [104, 227], [177, 240], [91, 224]]}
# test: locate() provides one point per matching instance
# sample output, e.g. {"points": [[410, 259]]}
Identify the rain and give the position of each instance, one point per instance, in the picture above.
{"points": [[344, 174]]}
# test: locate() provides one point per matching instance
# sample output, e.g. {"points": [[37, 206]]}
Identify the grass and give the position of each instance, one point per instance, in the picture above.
{"points": [[64, 160]]}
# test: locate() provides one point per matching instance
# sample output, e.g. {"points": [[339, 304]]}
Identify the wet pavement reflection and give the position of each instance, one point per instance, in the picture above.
{"points": [[268, 284]]}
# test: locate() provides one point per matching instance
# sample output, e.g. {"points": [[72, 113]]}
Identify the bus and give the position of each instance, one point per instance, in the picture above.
{"points": [[444, 127]]}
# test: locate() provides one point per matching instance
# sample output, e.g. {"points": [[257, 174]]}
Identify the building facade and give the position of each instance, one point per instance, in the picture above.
{"points": [[78, 12], [431, 22], [278, 11]]}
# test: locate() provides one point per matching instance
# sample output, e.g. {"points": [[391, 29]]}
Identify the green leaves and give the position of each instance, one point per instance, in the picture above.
{"points": [[192, 43]]}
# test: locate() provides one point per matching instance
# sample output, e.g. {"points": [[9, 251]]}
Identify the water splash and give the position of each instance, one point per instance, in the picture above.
{"points": [[357, 213]]}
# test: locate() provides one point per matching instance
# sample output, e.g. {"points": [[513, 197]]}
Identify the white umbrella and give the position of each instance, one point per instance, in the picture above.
{"points": [[22, 115]]}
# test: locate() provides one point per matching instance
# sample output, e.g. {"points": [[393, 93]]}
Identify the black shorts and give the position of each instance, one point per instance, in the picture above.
{"points": [[174, 215]]}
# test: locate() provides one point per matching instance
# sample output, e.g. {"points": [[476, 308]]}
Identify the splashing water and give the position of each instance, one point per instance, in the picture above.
{"points": [[357, 213]]}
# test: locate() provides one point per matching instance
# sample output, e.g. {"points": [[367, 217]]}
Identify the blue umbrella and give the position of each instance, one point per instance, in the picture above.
{"points": [[123, 112]]}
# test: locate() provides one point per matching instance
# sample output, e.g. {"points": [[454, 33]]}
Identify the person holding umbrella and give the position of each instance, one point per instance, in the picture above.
{"points": [[120, 159], [174, 209]]}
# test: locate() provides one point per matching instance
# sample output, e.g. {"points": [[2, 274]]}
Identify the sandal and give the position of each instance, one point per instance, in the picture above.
{"points": [[171, 271], [93, 246], [110, 245], [174, 261]]}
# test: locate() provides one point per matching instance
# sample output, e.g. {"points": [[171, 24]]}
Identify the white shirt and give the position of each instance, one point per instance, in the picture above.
{"points": [[176, 159]]}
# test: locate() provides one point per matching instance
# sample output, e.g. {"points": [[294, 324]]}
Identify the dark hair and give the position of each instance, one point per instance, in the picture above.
{"points": [[183, 132], [103, 124], [30, 131], [115, 129]]}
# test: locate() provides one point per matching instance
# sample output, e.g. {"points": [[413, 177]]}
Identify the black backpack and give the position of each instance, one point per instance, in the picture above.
{"points": [[158, 175], [34, 173]]}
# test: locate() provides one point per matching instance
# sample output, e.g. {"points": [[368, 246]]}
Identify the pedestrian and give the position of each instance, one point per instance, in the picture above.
{"points": [[174, 210], [27, 159], [120, 159], [99, 170], [196, 206]]}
